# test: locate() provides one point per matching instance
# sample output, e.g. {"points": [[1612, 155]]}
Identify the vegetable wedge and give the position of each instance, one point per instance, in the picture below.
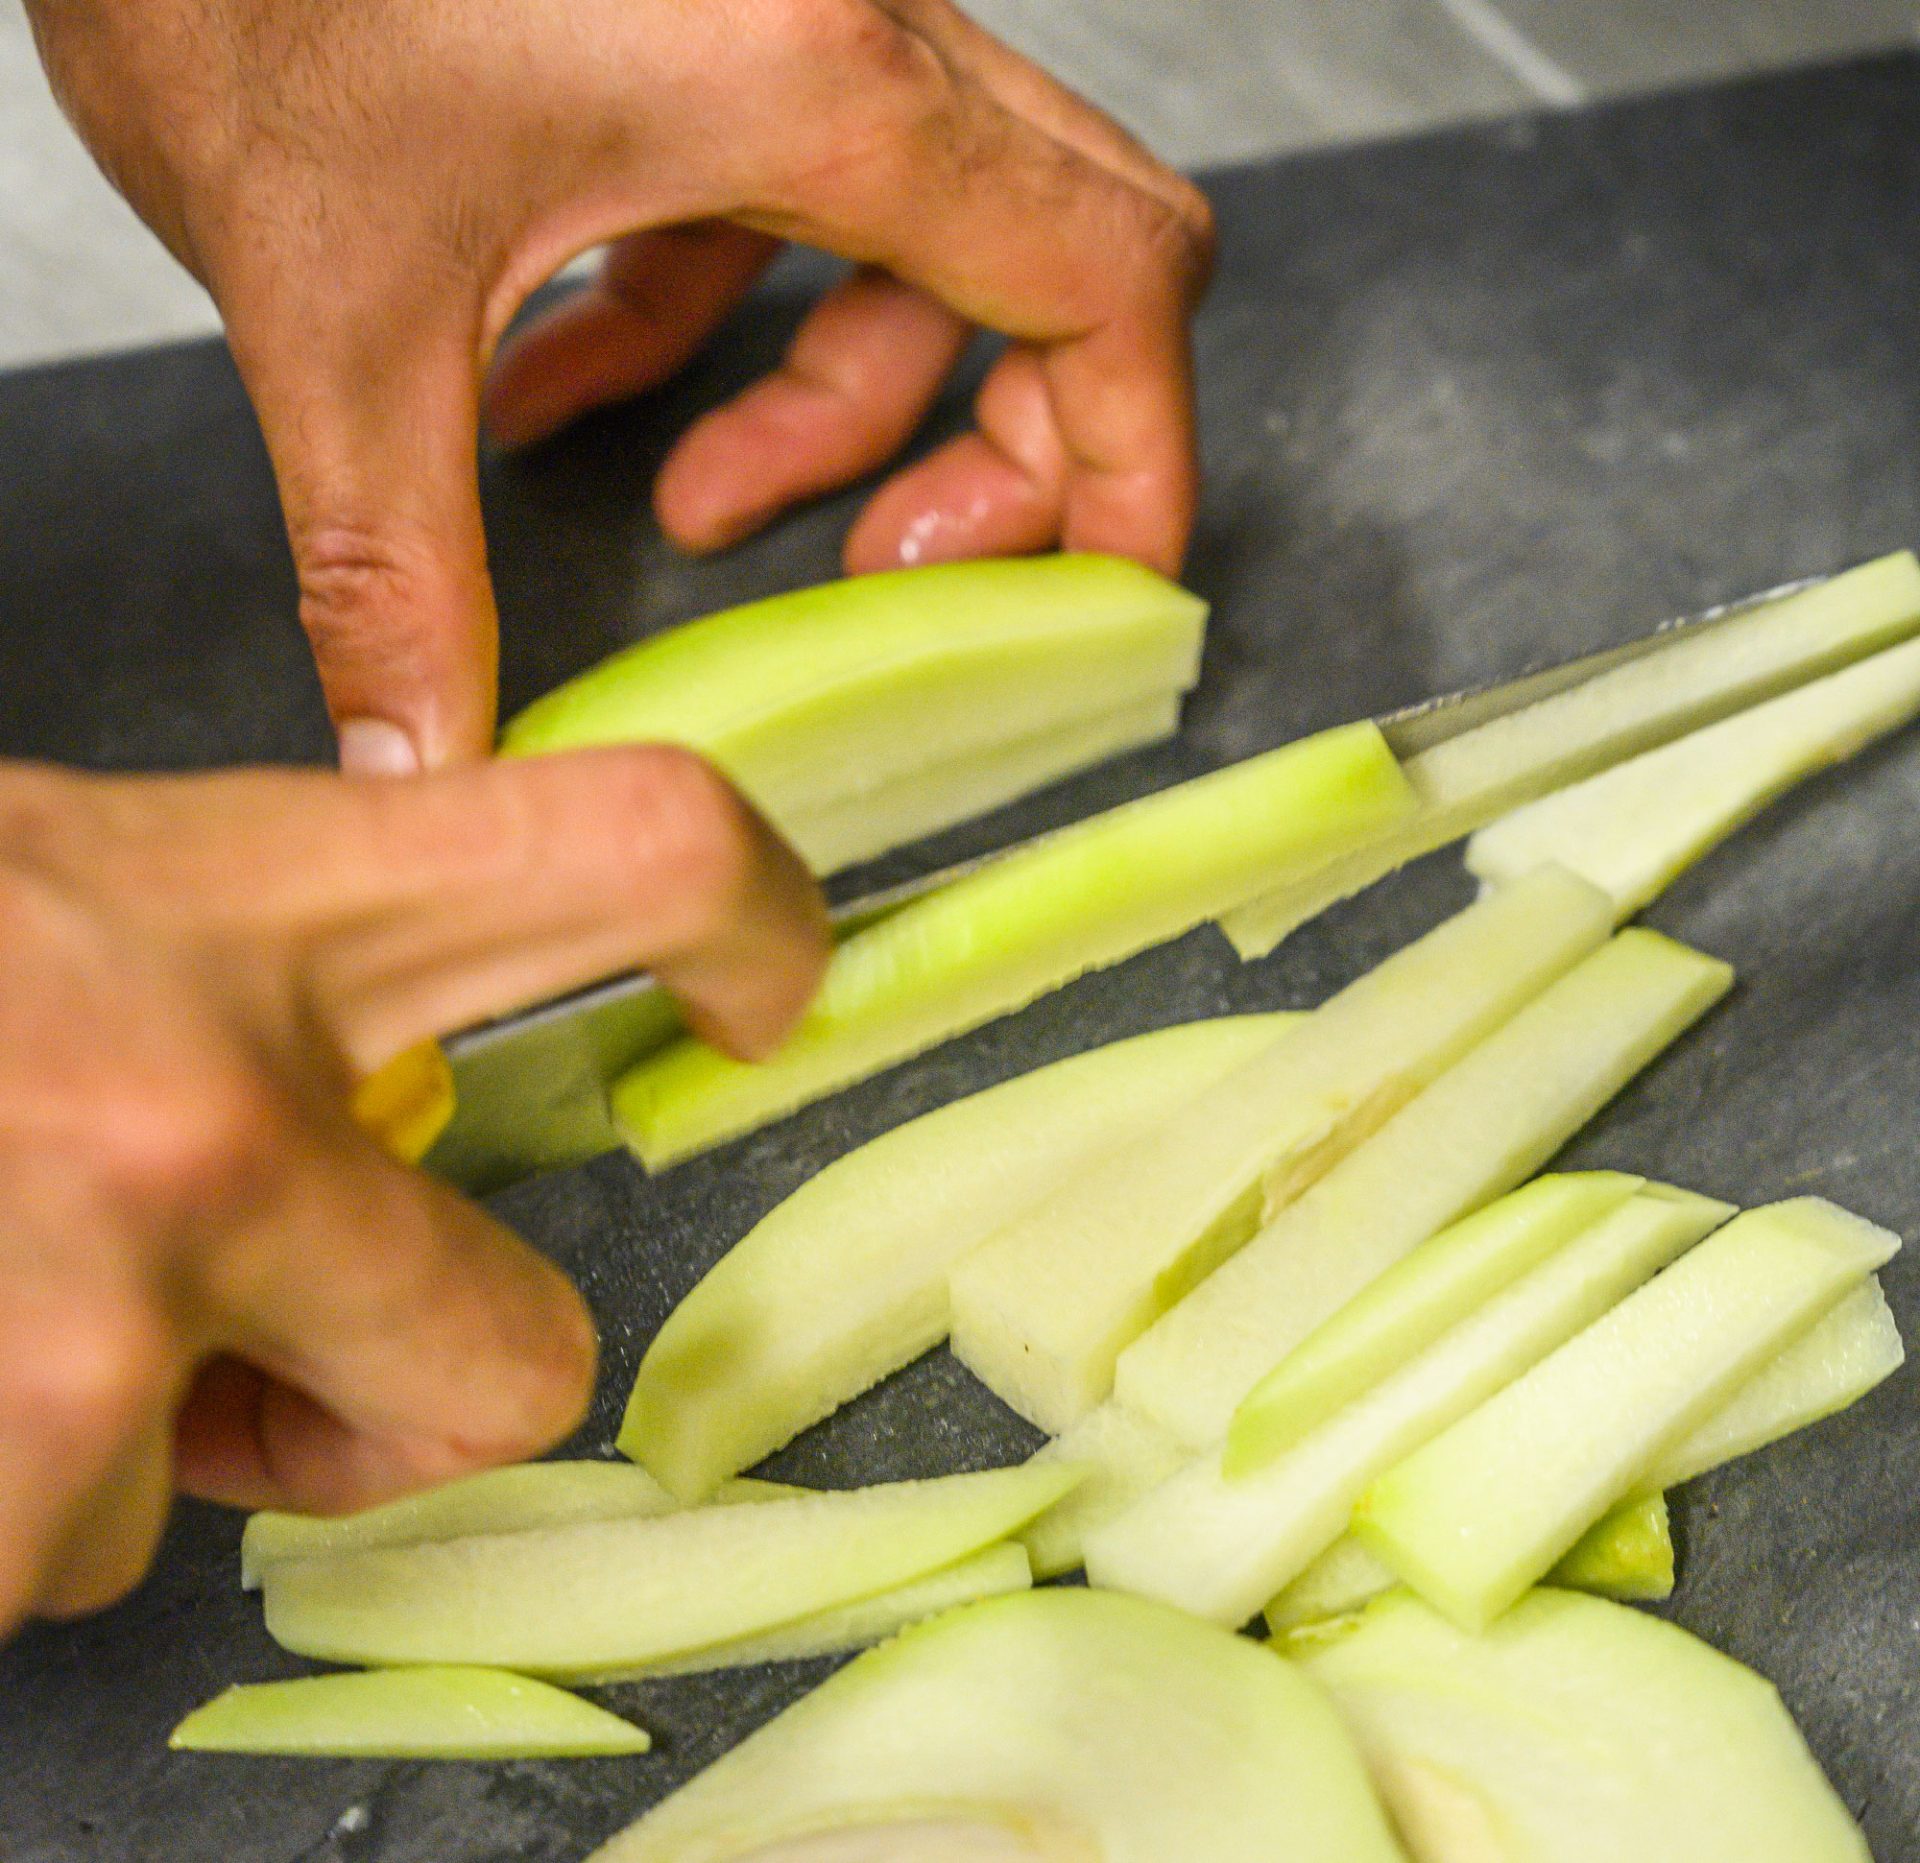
{"points": [[441, 1711], [1627, 1554], [1123, 1456], [1697, 679], [1043, 1309], [1445, 1279], [1634, 829], [1479, 1513], [1484, 1126], [1579, 1731], [1023, 924], [498, 1500], [1059, 1725], [990, 1574], [815, 700], [1220, 1547], [613, 1595], [847, 1279]]}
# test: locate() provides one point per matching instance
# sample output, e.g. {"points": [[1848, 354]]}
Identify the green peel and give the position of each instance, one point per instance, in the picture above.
{"points": [[1022, 925]]}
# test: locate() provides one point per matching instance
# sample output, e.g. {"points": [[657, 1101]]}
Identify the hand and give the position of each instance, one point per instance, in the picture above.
{"points": [[209, 1276], [371, 189]]}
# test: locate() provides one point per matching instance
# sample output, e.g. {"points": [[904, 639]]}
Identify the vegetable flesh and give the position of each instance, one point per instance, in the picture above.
{"points": [[441, 1712], [1578, 1731], [1123, 1456], [838, 834], [1042, 1311], [994, 939], [1444, 1280], [614, 1595], [1221, 1547], [816, 699], [1635, 829], [1079, 1725], [497, 1500], [1626, 1554], [1484, 1126], [847, 1279], [1483, 1510], [1697, 679], [990, 1574]]}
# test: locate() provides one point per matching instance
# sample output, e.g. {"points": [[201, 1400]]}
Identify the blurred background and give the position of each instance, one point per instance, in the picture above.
{"points": [[1204, 81]]}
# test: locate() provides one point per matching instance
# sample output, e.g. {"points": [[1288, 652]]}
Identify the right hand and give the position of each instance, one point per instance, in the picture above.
{"points": [[210, 1277]]}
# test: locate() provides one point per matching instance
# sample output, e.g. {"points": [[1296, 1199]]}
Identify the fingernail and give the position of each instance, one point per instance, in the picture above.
{"points": [[376, 747]]}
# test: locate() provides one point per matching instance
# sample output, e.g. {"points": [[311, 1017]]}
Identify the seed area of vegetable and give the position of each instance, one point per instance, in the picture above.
{"points": [[1469, 405]]}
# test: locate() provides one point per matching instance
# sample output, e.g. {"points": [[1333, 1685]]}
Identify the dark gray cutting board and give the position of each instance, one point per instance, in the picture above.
{"points": [[1469, 401]]}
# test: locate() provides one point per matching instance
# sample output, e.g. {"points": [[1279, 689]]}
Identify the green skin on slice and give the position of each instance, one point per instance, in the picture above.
{"points": [[846, 1280], [617, 1595], [1057, 1727], [1221, 1547], [437, 1712], [995, 939], [1042, 1310], [1482, 1511], [1485, 1125], [1635, 829], [498, 1500], [1412, 1304], [1578, 1731], [1697, 678], [966, 682]]}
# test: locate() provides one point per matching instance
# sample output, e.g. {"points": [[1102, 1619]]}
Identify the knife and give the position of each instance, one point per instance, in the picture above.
{"points": [[529, 1089]]}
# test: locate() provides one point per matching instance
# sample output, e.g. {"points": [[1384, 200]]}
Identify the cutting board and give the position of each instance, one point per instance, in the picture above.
{"points": [[1469, 401]]}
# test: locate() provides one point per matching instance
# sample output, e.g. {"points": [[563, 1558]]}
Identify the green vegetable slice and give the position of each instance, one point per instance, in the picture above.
{"points": [[819, 700], [1025, 924], [1222, 1547], [1697, 679], [1635, 829], [1042, 1310], [1055, 1727], [441, 1711], [1485, 1509], [1484, 1126], [1576, 1730], [617, 1594], [847, 1279], [1445, 1279]]}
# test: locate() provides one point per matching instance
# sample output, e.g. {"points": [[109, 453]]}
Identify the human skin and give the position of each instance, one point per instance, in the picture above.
{"points": [[372, 188], [210, 1277]]}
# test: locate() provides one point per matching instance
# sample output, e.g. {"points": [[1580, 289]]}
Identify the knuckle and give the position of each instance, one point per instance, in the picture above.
{"points": [[87, 1374], [688, 844], [355, 577], [201, 1149]]}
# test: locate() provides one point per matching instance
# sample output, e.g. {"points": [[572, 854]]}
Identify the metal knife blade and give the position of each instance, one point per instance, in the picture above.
{"points": [[531, 1087]]}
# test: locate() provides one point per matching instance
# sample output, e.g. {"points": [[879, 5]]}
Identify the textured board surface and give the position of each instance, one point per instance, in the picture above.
{"points": [[1470, 401]]}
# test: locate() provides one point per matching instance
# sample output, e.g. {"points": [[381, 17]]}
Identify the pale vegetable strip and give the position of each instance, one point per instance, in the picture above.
{"points": [[611, 1595], [498, 1500], [1024, 924], [990, 1574], [1446, 1278], [1699, 678], [846, 1280], [1484, 1126], [1124, 1456], [1041, 1310], [1485, 1509], [814, 700], [1626, 1554], [432, 1712], [1635, 829], [1220, 1547]]}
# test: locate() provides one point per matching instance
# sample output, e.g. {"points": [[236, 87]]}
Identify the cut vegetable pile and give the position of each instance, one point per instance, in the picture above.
{"points": [[1312, 1338]]}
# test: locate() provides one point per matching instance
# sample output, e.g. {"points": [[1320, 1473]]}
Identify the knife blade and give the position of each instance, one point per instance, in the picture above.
{"points": [[531, 1087]]}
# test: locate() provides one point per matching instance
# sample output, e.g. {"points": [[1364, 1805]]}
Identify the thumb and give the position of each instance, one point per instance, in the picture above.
{"points": [[373, 435]]}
